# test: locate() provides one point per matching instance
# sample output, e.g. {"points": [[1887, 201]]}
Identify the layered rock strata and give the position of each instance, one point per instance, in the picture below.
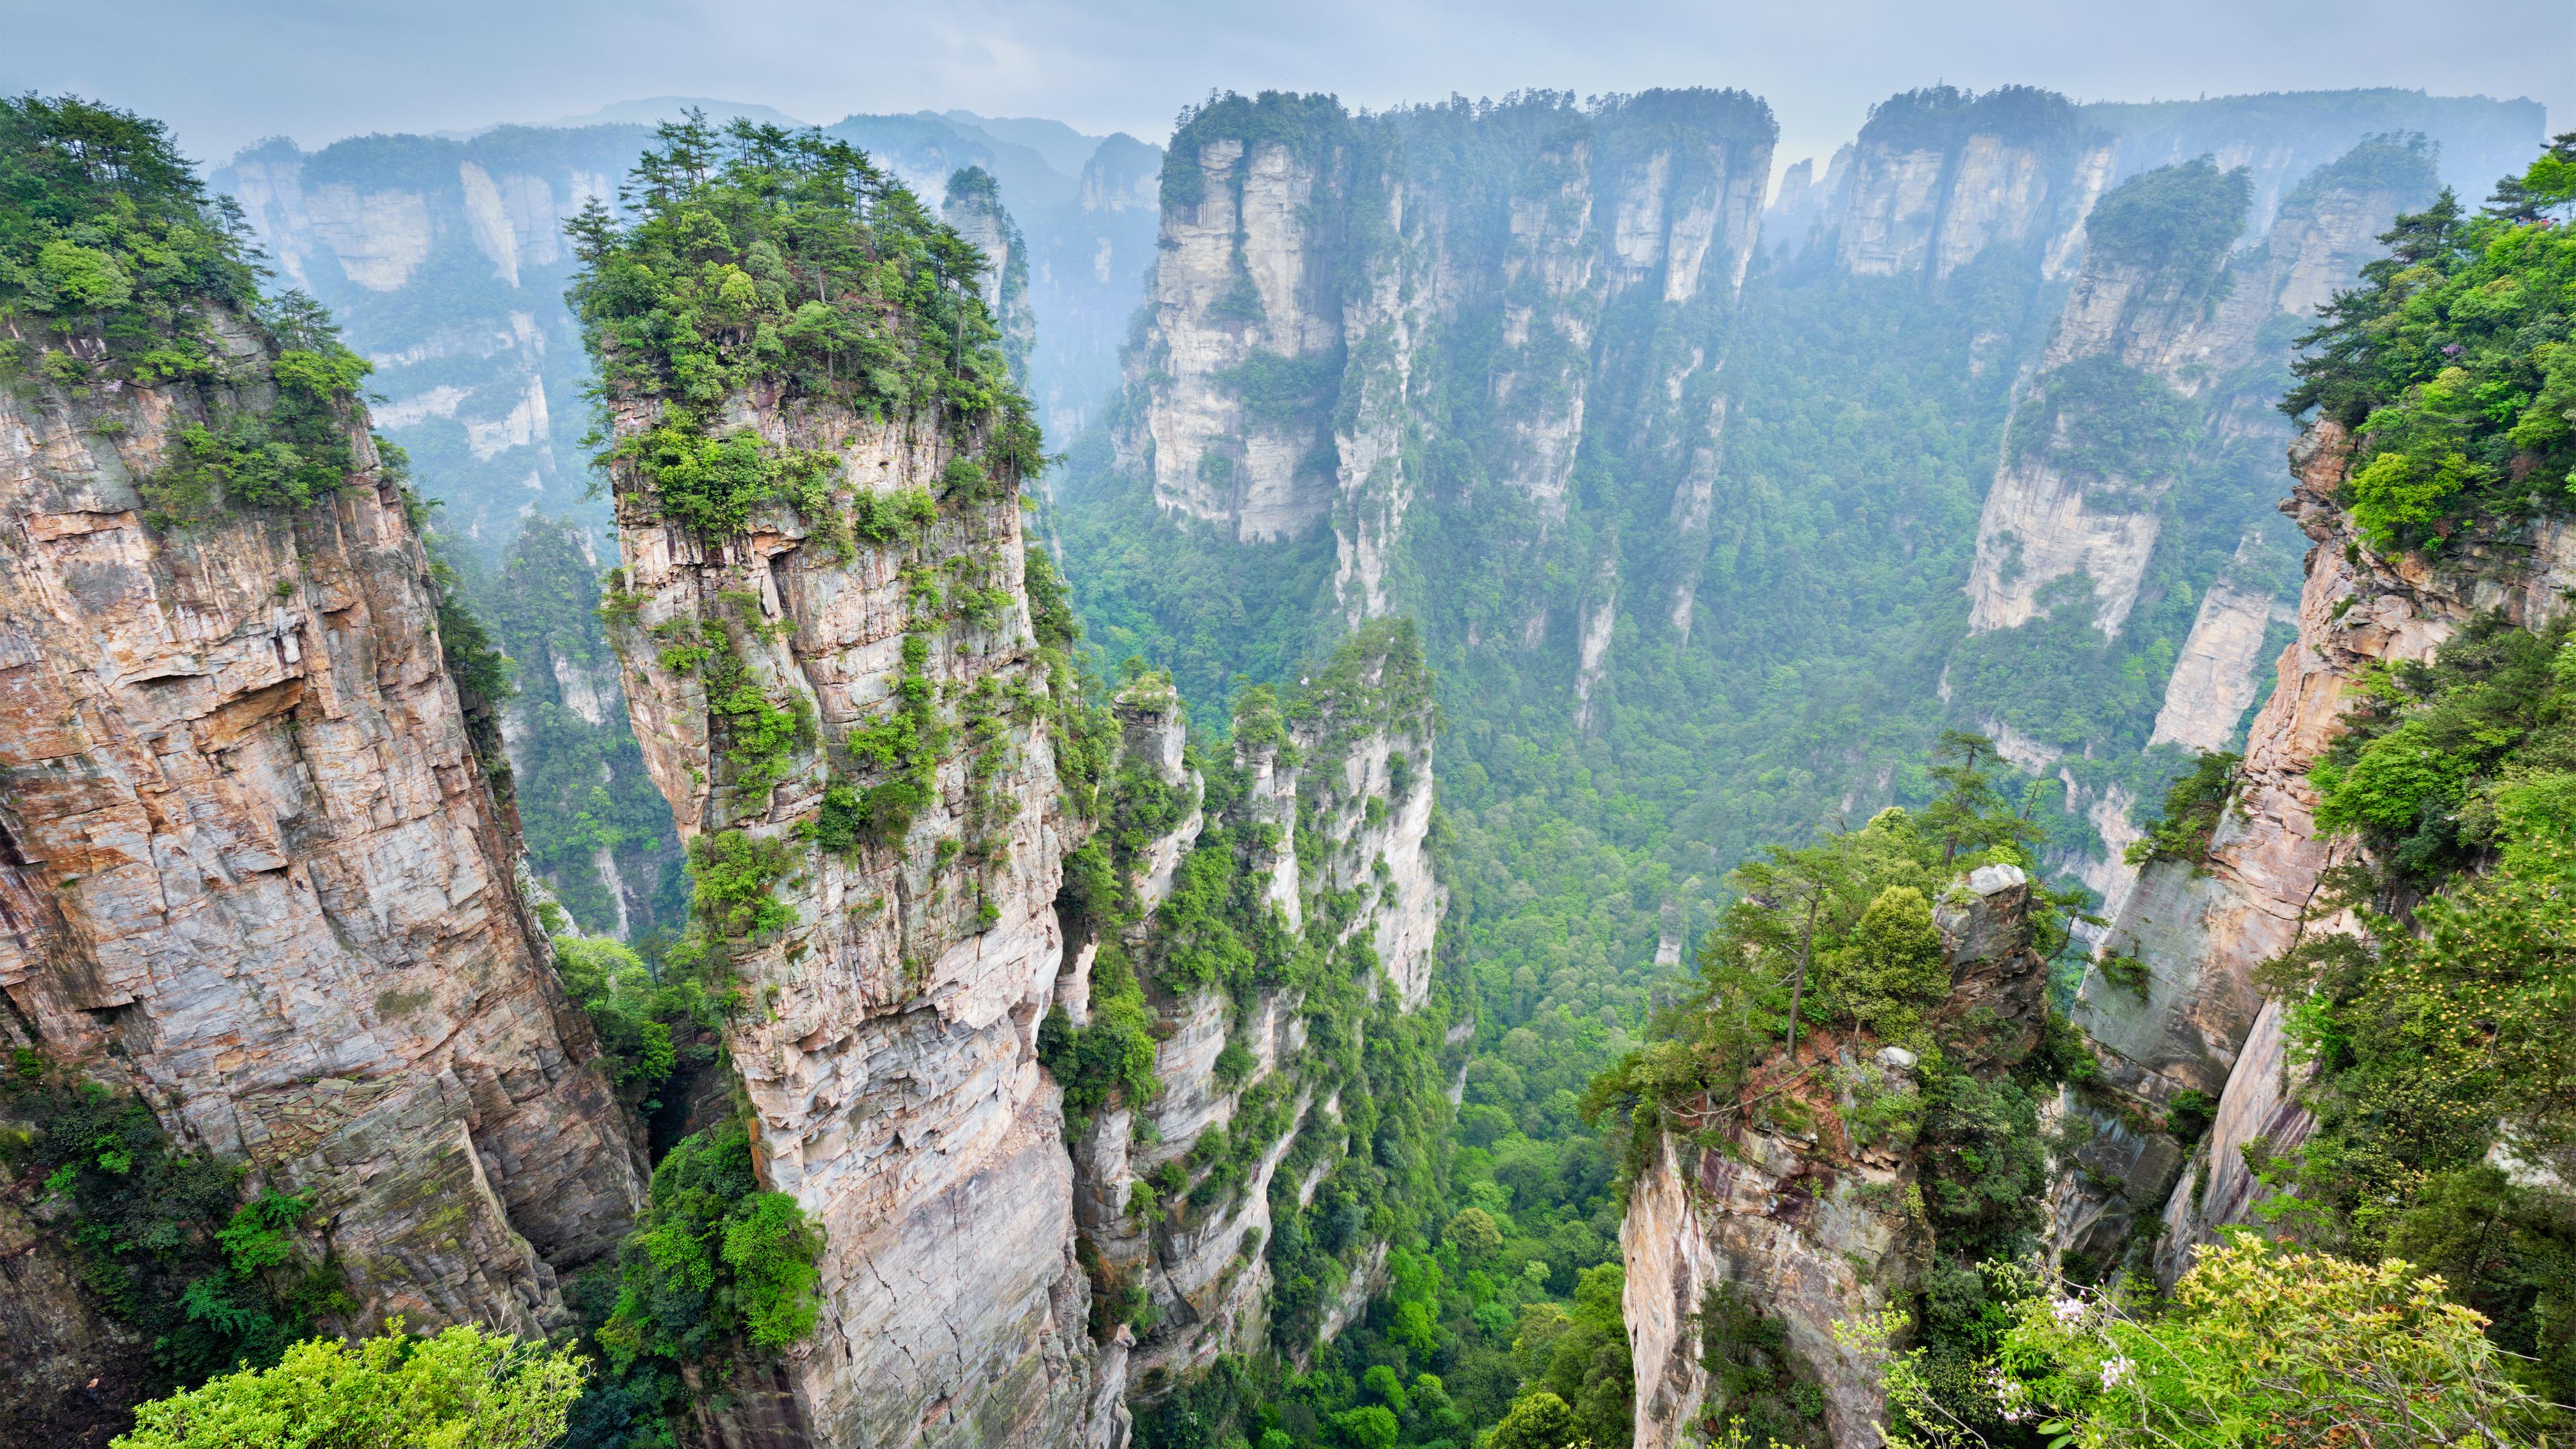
{"points": [[888, 1045], [1939, 176], [253, 870]]}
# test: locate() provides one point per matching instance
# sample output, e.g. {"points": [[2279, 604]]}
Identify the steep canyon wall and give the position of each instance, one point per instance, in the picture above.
{"points": [[255, 872]]}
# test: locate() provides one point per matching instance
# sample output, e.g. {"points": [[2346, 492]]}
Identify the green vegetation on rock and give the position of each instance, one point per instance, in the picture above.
{"points": [[2454, 363], [2439, 1034], [173, 1244], [763, 258]]}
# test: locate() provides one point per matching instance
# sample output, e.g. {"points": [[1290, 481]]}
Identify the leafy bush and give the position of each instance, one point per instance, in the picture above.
{"points": [[464, 1389], [715, 1273], [733, 872], [632, 1013], [2194, 804], [163, 1237], [2263, 1345]]}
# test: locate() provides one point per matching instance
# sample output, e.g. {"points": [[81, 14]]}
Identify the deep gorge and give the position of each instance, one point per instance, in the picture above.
{"points": [[1012, 878]]}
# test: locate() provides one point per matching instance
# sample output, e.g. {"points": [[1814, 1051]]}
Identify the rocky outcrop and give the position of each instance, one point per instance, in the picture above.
{"points": [[2213, 682], [446, 259], [888, 1040], [2199, 931], [1335, 818], [974, 208], [253, 870], [1793, 1213]]}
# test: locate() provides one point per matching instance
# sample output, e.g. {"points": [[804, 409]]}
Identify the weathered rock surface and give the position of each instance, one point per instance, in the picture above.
{"points": [[1809, 1225], [974, 208], [253, 871], [1348, 819], [1928, 196], [2202, 1026], [1303, 277], [2200, 331], [889, 1050]]}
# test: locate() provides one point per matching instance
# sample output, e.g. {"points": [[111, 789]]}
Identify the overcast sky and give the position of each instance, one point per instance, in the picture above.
{"points": [[227, 72]]}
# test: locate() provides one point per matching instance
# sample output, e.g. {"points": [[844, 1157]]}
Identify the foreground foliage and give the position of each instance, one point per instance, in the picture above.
{"points": [[2258, 1345], [463, 1389]]}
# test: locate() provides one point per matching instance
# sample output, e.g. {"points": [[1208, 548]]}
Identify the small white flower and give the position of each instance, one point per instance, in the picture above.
{"points": [[2068, 1311], [2118, 1368]]}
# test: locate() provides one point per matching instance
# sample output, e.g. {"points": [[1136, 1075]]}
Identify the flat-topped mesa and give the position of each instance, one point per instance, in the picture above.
{"points": [[1261, 937], [1940, 175], [830, 661], [1811, 1214], [254, 869], [1311, 257]]}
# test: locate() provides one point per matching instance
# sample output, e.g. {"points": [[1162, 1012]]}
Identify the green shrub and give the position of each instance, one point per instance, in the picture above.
{"points": [[163, 1237], [2261, 1345], [632, 1013], [2194, 804], [713, 1264], [464, 1389]]}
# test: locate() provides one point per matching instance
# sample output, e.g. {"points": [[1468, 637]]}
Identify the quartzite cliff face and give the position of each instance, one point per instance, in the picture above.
{"points": [[889, 1041], [253, 869], [1335, 810], [2200, 931]]}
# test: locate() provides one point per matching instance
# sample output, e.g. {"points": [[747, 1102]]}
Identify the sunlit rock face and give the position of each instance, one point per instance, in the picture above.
{"points": [[254, 871]]}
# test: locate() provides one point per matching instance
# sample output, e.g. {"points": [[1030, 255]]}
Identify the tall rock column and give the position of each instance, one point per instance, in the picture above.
{"points": [[1318, 832], [887, 1028], [252, 867]]}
